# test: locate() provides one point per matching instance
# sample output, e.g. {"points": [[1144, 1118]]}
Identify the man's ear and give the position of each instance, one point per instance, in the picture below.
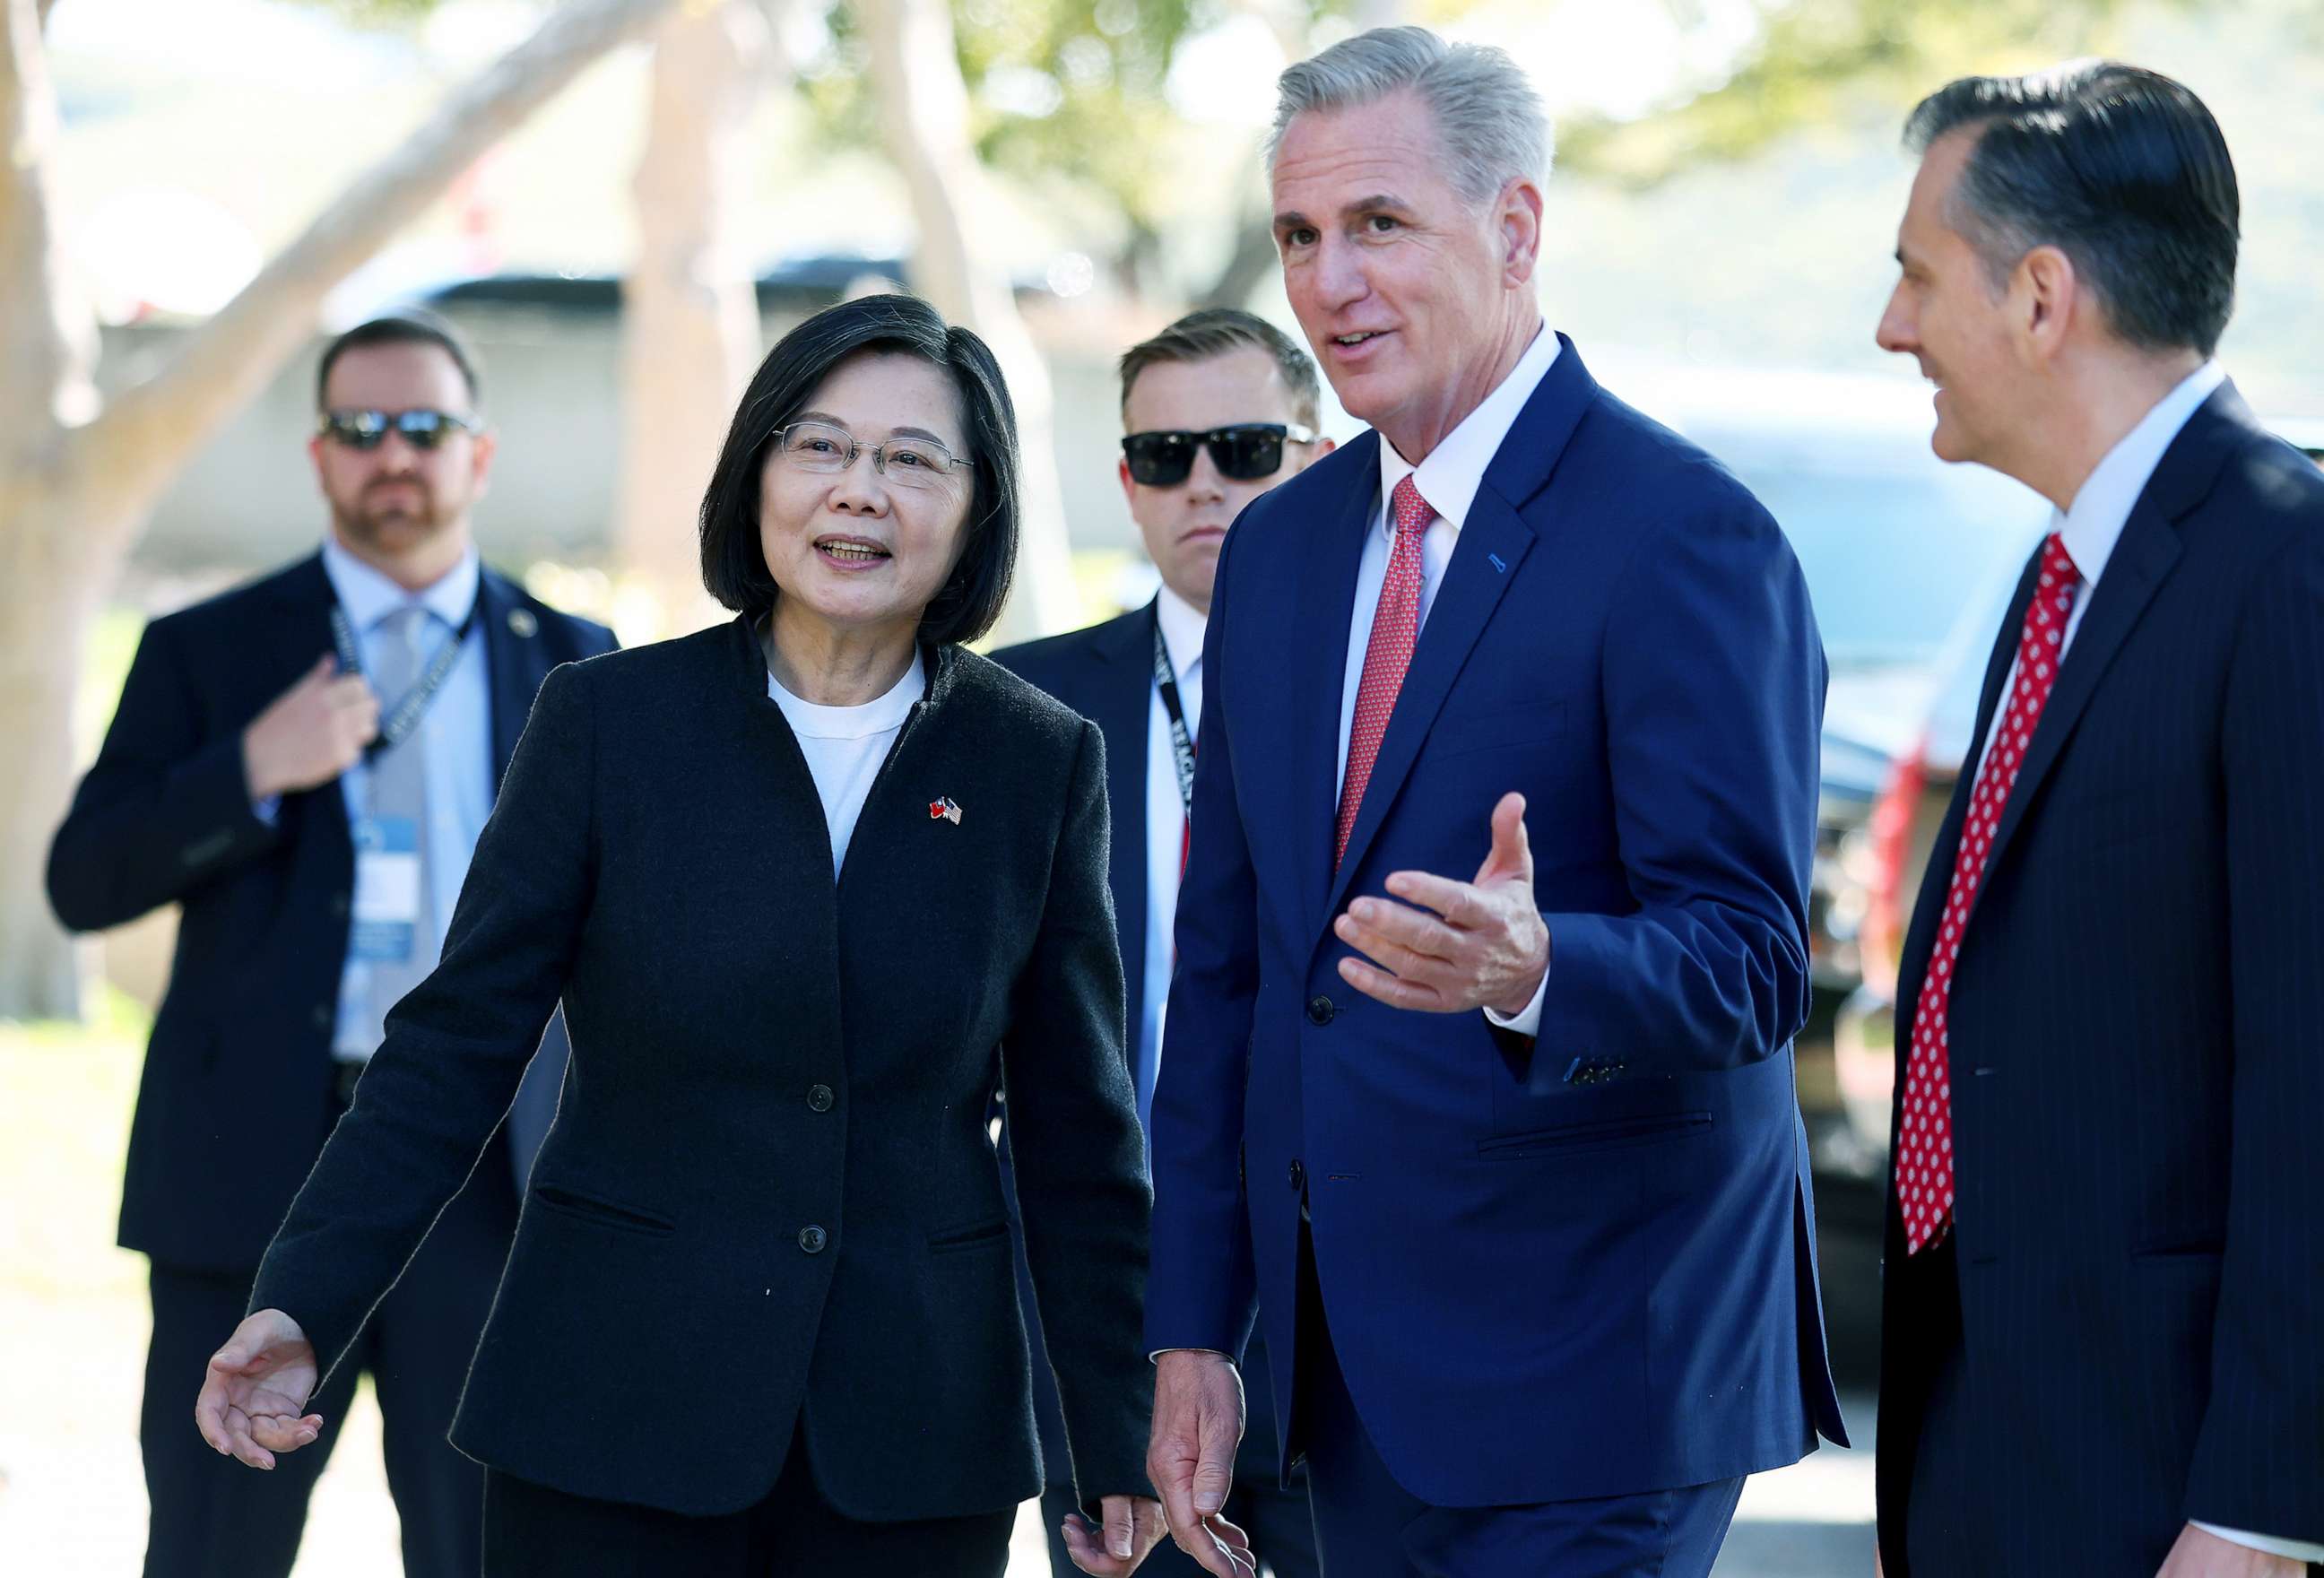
{"points": [[2047, 296]]}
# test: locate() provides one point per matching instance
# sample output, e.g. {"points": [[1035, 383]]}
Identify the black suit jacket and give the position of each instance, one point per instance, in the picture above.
{"points": [[1106, 674], [2137, 1065], [241, 1045], [772, 1199]]}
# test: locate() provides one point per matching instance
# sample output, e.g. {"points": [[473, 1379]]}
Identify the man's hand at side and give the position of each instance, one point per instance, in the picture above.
{"points": [[1198, 1414]]}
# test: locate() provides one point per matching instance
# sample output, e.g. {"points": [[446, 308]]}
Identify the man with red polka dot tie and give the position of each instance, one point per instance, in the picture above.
{"points": [[2103, 1305]]}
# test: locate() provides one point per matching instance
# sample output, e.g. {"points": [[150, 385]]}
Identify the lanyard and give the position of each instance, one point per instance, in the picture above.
{"points": [[398, 722], [1181, 746]]}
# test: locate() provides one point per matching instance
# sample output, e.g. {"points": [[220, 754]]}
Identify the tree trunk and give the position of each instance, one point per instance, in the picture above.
{"points": [[924, 113], [689, 308], [76, 482]]}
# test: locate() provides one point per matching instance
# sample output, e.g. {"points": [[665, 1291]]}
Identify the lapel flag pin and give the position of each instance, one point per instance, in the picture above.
{"points": [[942, 809], [522, 623]]}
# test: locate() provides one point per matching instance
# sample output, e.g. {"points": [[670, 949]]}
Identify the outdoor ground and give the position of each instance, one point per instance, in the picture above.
{"points": [[72, 1336]]}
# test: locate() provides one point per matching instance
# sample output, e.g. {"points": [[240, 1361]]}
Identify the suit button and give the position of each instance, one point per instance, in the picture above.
{"points": [[338, 906], [321, 1017], [1298, 1176], [1320, 1011], [813, 1238], [818, 1097]]}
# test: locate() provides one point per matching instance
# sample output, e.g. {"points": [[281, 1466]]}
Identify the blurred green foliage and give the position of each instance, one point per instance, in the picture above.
{"points": [[1815, 59]]}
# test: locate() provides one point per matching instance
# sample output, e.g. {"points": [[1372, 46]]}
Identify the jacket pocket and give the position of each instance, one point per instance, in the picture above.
{"points": [[600, 1213], [975, 1236], [1596, 1134]]}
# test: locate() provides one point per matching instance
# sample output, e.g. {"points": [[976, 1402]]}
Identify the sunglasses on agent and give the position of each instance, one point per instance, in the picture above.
{"points": [[1244, 452], [367, 429]]}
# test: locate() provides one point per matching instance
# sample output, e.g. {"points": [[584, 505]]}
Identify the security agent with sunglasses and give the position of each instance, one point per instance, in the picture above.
{"points": [[1219, 407], [304, 765]]}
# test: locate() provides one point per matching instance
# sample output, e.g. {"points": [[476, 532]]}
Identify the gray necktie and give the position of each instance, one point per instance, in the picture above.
{"points": [[398, 790]]}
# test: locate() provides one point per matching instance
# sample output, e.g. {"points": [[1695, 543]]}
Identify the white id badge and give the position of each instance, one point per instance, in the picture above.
{"points": [[387, 889]]}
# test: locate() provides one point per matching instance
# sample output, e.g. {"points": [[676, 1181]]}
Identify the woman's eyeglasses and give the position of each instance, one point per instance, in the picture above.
{"points": [[1246, 452], [905, 460], [367, 429]]}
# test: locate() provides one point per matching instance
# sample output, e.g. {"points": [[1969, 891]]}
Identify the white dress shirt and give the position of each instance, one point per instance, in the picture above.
{"points": [[845, 746], [2090, 528], [1448, 480], [457, 730], [1166, 821]]}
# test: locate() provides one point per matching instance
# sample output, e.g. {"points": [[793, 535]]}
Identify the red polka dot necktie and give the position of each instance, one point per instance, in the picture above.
{"points": [[1395, 625], [1924, 1137]]}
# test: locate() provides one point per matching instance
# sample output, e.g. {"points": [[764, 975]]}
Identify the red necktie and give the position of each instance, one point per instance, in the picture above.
{"points": [[1924, 1137], [1395, 625]]}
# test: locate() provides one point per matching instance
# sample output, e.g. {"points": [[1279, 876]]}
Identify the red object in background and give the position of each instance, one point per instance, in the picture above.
{"points": [[1890, 827]]}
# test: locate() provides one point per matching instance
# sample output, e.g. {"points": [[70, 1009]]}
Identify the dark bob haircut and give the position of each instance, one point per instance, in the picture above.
{"points": [[403, 325], [2121, 168], [733, 561]]}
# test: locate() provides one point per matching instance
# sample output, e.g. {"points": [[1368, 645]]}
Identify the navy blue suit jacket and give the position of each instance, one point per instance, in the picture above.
{"points": [[2137, 1067], [1573, 1269], [242, 1041], [1106, 674]]}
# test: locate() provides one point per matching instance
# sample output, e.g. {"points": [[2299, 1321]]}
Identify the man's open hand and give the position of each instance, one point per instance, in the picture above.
{"points": [[1454, 946]]}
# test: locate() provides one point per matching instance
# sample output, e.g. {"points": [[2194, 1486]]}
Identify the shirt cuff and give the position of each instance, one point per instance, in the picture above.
{"points": [[1156, 1357], [266, 809], [1525, 1021], [2297, 1549]]}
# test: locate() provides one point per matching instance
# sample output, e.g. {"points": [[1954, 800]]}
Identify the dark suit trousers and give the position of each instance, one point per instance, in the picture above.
{"points": [[532, 1531], [213, 1518], [1368, 1526]]}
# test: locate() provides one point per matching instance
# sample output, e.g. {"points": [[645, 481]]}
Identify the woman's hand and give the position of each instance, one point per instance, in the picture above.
{"points": [[254, 1388], [1133, 1526]]}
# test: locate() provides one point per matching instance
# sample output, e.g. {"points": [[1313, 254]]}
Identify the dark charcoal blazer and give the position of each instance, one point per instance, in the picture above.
{"points": [[770, 1200], [2138, 1065], [242, 1043], [1106, 674]]}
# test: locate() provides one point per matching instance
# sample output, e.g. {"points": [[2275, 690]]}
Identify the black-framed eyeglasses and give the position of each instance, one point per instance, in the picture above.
{"points": [[1246, 452], [366, 430], [907, 460]]}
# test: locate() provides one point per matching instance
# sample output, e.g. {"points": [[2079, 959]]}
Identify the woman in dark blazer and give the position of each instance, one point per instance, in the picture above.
{"points": [[809, 885]]}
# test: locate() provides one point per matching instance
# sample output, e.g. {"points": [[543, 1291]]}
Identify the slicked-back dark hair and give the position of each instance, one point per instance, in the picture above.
{"points": [[406, 326], [734, 561], [2121, 168], [1214, 332]]}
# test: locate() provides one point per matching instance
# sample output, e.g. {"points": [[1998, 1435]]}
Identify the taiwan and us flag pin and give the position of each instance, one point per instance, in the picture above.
{"points": [[943, 809]]}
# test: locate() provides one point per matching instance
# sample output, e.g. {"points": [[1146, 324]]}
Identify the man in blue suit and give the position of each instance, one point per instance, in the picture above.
{"points": [[302, 765], [1502, 1146], [2102, 1344], [1217, 409]]}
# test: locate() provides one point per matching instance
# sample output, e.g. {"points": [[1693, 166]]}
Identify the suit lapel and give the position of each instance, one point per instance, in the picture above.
{"points": [[1119, 680], [513, 665], [1936, 877], [1321, 619], [1493, 543], [2148, 551], [1490, 547]]}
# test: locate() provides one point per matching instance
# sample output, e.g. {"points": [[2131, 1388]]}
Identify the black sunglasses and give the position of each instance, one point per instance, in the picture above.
{"points": [[1246, 452], [367, 429]]}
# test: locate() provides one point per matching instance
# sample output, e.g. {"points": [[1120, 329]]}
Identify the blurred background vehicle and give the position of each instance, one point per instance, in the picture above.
{"points": [[1910, 563]]}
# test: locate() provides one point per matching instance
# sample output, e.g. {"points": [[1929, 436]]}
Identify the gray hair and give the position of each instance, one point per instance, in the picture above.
{"points": [[1489, 116]]}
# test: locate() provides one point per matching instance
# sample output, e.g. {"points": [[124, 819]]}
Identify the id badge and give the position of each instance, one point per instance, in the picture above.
{"points": [[387, 889]]}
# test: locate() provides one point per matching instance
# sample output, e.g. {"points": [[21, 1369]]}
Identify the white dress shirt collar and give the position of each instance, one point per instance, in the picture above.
{"points": [[1182, 631], [2102, 505], [1455, 469], [369, 596]]}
